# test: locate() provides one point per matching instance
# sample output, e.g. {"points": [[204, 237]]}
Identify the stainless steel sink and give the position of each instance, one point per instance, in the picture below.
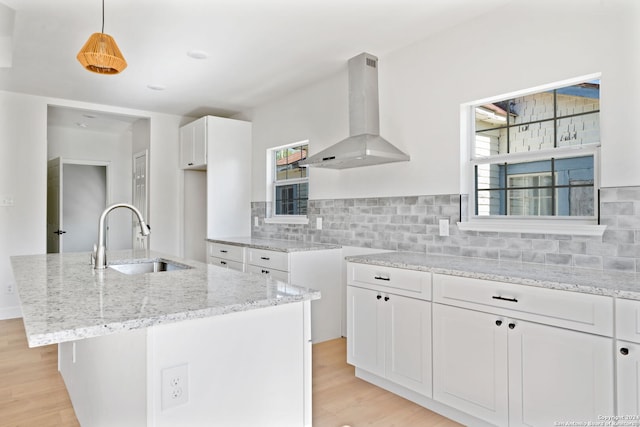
{"points": [[147, 266]]}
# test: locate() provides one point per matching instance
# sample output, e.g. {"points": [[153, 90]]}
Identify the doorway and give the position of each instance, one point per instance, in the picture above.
{"points": [[77, 193], [98, 138]]}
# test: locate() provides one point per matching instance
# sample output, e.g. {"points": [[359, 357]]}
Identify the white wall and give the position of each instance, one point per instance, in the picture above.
{"points": [[521, 45], [23, 157], [83, 144]]}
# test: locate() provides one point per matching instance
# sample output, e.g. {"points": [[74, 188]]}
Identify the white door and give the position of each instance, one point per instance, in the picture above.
{"points": [[408, 342], [76, 196], [628, 376], [84, 197], [558, 375], [470, 362], [54, 217], [140, 185], [365, 330]]}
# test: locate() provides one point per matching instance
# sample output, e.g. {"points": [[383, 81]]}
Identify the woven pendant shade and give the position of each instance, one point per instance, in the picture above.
{"points": [[100, 54]]}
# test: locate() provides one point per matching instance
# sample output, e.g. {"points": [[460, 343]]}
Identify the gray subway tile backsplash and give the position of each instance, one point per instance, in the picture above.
{"points": [[410, 223]]}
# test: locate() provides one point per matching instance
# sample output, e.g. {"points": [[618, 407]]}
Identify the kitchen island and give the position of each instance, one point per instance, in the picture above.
{"points": [[195, 346]]}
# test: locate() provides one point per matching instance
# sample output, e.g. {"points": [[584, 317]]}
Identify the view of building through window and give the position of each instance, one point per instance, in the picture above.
{"points": [[521, 164], [291, 182]]}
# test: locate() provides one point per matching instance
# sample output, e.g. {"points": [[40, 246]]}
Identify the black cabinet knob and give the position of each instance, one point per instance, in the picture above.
{"points": [[498, 322], [624, 351], [512, 325], [378, 296], [386, 298]]}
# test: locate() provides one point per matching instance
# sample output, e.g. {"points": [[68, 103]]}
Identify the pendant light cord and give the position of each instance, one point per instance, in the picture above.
{"points": [[102, 16]]}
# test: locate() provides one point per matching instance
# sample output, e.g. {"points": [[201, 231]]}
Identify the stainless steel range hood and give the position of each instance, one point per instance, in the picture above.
{"points": [[364, 146]]}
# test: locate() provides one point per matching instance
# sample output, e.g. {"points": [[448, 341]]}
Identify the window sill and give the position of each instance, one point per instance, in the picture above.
{"points": [[537, 227], [289, 219]]}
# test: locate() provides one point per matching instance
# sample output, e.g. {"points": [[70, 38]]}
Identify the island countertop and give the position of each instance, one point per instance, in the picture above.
{"points": [[64, 299], [618, 284]]}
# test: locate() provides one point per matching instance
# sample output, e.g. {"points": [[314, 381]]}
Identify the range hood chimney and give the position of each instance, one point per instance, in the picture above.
{"points": [[364, 146]]}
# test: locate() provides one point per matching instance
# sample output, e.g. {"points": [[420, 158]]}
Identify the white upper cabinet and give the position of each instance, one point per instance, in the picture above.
{"points": [[193, 145]]}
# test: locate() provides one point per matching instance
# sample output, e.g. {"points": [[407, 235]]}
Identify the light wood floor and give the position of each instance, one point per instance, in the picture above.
{"points": [[32, 392], [340, 399]]}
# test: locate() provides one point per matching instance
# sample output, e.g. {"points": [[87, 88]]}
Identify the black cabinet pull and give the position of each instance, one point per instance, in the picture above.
{"points": [[382, 278], [512, 325], [223, 251], [504, 299], [265, 271], [498, 322], [386, 298], [223, 262], [189, 164], [624, 351], [266, 258], [378, 296]]}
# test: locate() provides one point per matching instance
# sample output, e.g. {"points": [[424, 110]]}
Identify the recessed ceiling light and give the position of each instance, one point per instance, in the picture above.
{"points": [[197, 54], [156, 87]]}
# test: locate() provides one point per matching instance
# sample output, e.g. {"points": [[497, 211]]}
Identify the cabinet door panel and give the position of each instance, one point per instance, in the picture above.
{"points": [[365, 330], [557, 375], [200, 143], [628, 378], [408, 346], [470, 362], [186, 146]]}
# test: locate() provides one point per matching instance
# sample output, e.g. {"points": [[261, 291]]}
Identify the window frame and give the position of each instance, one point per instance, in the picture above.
{"points": [[273, 183], [585, 225]]}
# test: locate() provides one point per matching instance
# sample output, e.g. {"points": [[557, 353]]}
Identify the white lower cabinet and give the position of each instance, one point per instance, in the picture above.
{"points": [[226, 256], [470, 362], [315, 269], [628, 356], [390, 336], [515, 372], [628, 378], [558, 374]]}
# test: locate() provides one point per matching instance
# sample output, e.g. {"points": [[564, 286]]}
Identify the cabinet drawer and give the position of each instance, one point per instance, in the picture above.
{"points": [[573, 310], [269, 259], [412, 283], [628, 320], [271, 272], [221, 262], [228, 252]]}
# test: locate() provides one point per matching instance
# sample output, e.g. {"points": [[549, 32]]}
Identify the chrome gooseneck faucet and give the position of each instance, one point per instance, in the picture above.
{"points": [[99, 253]]}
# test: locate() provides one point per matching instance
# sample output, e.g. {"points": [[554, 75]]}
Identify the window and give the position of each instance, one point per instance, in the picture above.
{"points": [[290, 180], [535, 156]]}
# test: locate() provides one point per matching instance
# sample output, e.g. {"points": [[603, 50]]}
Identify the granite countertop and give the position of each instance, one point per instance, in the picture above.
{"points": [[274, 244], [64, 299], [623, 285]]}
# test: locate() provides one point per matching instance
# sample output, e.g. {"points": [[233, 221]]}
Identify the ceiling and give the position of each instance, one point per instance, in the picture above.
{"points": [[258, 50]]}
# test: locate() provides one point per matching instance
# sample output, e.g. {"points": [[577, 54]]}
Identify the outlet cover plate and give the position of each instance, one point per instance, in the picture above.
{"points": [[175, 386]]}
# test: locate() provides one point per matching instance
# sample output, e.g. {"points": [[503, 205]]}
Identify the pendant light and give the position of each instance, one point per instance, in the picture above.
{"points": [[100, 54]]}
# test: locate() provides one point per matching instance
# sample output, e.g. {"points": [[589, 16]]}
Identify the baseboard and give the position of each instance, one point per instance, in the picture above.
{"points": [[10, 312], [432, 405]]}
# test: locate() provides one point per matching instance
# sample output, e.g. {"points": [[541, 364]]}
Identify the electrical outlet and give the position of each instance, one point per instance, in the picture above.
{"points": [[255, 221], [175, 386], [444, 227], [10, 289], [319, 223]]}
